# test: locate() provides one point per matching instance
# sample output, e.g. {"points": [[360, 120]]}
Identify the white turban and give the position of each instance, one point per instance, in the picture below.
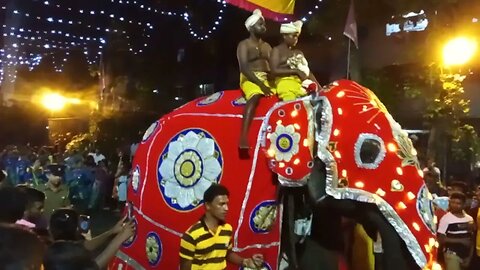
{"points": [[291, 28], [253, 19]]}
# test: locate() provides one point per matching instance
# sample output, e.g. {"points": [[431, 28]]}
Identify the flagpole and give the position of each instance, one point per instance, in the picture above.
{"points": [[348, 59]]}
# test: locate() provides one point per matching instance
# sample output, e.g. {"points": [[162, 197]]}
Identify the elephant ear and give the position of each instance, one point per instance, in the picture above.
{"points": [[288, 141]]}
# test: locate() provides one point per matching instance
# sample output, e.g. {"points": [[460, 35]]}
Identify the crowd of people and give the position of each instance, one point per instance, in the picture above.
{"points": [[46, 199]]}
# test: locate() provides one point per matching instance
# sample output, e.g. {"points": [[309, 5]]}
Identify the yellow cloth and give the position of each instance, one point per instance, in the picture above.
{"points": [[279, 6], [289, 88], [250, 89], [478, 234], [362, 255]]}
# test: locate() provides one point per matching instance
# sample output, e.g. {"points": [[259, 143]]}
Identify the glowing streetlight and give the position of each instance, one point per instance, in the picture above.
{"points": [[459, 51], [54, 102]]}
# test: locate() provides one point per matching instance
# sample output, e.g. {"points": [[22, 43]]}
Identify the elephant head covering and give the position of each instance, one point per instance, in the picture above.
{"points": [[253, 19], [291, 28]]}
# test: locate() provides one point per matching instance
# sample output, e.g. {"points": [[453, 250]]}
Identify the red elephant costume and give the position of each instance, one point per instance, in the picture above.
{"points": [[196, 145]]}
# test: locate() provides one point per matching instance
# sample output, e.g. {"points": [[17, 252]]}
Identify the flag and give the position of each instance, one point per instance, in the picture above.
{"points": [[351, 25], [277, 10]]}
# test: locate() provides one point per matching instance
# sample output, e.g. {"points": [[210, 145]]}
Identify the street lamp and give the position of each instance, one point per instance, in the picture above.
{"points": [[53, 102], [459, 51]]}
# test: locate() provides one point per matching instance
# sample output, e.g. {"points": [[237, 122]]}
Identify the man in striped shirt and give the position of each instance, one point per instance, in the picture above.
{"points": [[455, 232], [207, 244]]}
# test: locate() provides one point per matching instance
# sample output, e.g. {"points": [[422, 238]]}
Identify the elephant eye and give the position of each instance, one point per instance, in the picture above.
{"points": [[369, 151]]}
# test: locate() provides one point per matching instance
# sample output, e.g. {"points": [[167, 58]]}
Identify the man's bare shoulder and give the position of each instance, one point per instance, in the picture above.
{"points": [[244, 43]]}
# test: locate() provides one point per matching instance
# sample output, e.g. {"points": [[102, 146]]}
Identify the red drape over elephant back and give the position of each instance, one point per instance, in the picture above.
{"points": [[179, 157]]}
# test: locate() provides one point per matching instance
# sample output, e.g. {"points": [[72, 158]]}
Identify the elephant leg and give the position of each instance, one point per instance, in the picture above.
{"points": [[394, 256], [317, 183], [289, 237]]}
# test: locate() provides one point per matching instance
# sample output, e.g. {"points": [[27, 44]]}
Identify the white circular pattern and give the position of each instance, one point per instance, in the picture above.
{"points": [[149, 131], [190, 166], [284, 142], [210, 99]]}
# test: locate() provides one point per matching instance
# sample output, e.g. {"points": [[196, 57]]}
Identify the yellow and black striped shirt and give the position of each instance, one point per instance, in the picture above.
{"points": [[206, 250]]}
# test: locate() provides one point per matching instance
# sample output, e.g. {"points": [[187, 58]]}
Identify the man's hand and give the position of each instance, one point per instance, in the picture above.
{"points": [[302, 75], [255, 262], [266, 90], [119, 226], [127, 231]]}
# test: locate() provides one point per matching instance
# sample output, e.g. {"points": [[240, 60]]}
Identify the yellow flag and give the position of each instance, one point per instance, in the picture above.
{"points": [[277, 10]]}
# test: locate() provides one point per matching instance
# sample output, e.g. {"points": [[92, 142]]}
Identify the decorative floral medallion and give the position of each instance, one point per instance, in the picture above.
{"points": [[406, 152], [153, 248], [241, 101], [263, 217], [425, 208], [210, 99], [187, 167], [150, 131], [130, 240], [284, 142], [136, 178]]}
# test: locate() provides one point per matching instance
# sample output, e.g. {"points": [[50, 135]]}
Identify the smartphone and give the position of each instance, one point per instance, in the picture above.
{"points": [[84, 223], [130, 210]]}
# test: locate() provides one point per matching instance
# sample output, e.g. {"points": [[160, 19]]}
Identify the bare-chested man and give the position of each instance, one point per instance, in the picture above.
{"points": [[293, 78], [253, 55]]}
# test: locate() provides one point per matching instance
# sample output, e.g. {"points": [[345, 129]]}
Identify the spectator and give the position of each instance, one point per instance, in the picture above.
{"points": [[19, 249], [455, 234], [431, 167], [68, 255], [475, 213], [13, 202], [97, 156], [199, 249], [64, 227], [122, 183], [56, 193], [33, 214]]}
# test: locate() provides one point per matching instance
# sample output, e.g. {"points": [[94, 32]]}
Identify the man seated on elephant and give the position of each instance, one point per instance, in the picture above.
{"points": [[293, 78], [253, 54], [207, 244]]}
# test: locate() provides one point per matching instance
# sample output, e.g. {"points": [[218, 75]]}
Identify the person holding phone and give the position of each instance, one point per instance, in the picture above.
{"points": [[214, 235]]}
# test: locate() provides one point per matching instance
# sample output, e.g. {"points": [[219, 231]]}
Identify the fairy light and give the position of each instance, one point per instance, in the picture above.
{"points": [[344, 173], [296, 161], [336, 132], [294, 113], [340, 94], [380, 192], [416, 226], [401, 206], [410, 195], [340, 111], [359, 184], [296, 126], [392, 147], [305, 142], [337, 154], [399, 171]]}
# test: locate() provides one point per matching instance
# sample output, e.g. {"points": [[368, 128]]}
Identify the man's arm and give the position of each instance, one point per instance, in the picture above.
{"points": [[100, 240], [185, 264], [242, 55], [187, 251], [276, 68]]}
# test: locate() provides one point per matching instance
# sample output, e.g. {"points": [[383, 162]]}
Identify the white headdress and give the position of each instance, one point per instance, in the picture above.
{"points": [[253, 19], [292, 27]]}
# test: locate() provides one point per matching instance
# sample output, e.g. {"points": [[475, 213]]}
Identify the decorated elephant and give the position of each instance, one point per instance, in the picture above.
{"points": [[336, 155]]}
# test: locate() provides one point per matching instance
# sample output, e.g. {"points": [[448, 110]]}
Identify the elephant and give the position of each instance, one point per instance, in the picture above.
{"points": [[315, 162]]}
